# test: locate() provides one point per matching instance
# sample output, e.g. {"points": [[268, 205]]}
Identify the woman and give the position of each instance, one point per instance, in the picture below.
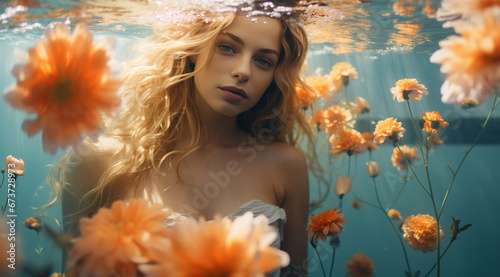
{"points": [[209, 127]]}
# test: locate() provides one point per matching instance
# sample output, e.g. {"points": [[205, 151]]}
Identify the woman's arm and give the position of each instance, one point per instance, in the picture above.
{"points": [[296, 205]]}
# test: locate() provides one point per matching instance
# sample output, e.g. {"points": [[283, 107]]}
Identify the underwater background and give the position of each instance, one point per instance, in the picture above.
{"points": [[385, 43]]}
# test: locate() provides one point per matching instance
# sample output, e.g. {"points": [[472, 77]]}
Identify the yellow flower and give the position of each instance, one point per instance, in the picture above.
{"points": [[219, 247], [388, 128], [471, 59], [327, 223], [420, 232], [398, 157], [343, 185], [433, 122], [349, 141], [67, 82], [14, 165], [115, 240], [408, 89], [33, 224], [394, 214], [359, 265]]}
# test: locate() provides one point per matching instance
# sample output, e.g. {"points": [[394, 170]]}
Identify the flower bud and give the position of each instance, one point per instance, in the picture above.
{"points": [[343, 185], [373, 169], [14, 165]]}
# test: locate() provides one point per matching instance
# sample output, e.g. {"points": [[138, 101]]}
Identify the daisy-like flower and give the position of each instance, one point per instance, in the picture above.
{"points": [[116, 240], [342, 71], [433, 122], [306, 98], [394, 214], [420, 232], [219, 247], [349, 141], [343, 185], [33, 224], [67, 82], [359, 265], [408, 89], [335, 118], [327, 223], [322, 85], [388, 128], [14, 165], [398, 157], [471, 60]]}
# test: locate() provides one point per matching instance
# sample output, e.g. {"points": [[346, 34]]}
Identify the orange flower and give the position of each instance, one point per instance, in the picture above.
{"points": [[394, 214], [359, 265], [14, 165], [349, 141], [115, 240], [66, 81], [341, 71], [420, 232], [398, 157], [356, 204], [218, 248], [468, 103], [433, 122], [360, 105], [408, 89], [306, 98], [343, 185], [472, 59], [33, 224], [389, 127], [368, 136], [332, 119], [322, 85], [327, 223]]}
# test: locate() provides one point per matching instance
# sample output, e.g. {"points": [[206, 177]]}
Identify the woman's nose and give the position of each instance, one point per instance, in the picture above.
{"points": [[241, 69]]}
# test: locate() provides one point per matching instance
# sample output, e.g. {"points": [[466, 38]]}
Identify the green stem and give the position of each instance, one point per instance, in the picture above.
{"points": [[319, 258], [410, 166], [333, 261], [399, 192], [392, 225], [496, 101], [444, 252]]}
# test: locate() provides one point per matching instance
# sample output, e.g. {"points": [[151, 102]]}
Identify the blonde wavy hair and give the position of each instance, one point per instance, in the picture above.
{"points": [[159, 102]]}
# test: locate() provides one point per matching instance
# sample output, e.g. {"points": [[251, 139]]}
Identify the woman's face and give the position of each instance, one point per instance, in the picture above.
{"points": [[242, 66]]}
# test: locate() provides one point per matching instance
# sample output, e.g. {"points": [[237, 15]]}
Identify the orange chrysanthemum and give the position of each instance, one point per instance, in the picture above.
{"points": [[66, 81], [471, 59], [306, 98], [327, 223], [420, 232], [389, 127], [218, 248], [398, 157], [359, 265], [333, 119], [408, 89], [33, 224], [394, 214], [433, 122], [322, 85], [115, 240], [360, 105], [341, 71], [349, 141]]}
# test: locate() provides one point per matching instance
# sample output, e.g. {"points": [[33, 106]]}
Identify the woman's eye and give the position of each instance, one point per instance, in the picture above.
{"points": [[226, 48], [264, 62]]}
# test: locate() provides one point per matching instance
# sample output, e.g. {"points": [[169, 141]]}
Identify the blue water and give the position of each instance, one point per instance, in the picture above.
{"points": [[474, 199]]}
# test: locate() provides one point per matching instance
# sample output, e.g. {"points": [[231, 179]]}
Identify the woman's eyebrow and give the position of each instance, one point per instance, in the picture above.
{"points": [[242, 43]]}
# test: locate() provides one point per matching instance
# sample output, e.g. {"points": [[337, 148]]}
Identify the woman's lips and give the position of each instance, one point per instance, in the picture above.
{"points": [[234, 93]]}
